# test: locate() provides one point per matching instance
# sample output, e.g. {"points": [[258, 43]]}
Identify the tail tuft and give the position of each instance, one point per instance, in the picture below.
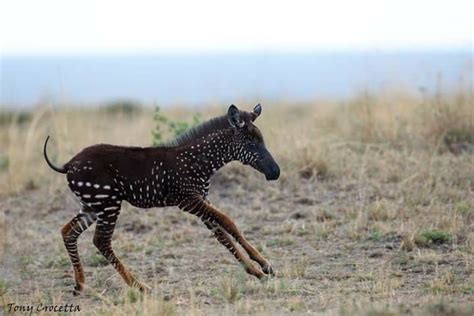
{"points": [[50, 164]]}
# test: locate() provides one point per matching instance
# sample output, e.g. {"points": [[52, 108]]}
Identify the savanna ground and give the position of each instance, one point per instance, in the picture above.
{"points": [[373, 213]]}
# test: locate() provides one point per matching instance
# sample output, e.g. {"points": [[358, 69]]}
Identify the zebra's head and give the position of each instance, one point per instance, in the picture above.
{"points": [[248, 144]]}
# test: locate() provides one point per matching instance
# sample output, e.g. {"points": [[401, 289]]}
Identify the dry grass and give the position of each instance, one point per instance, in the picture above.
{"points": [[373, 214]]}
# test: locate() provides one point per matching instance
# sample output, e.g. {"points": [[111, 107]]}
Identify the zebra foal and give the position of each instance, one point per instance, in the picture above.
{"points": [[176, 174]]}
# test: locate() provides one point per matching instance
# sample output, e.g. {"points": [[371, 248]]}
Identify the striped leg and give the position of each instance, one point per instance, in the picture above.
{"points": [[71, 232], [103, 242], [225, 239], [208, 213]]}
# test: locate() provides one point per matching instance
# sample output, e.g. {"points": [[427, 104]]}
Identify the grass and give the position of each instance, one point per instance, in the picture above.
{"points": [[372, 214], [3, 288], [429, 237], [230, 289]]}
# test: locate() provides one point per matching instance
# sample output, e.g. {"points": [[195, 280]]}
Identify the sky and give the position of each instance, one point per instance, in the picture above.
{"points": [[123, 27]]}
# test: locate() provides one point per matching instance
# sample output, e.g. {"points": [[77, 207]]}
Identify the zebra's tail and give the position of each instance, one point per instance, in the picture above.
{"points": [[50, 164]]}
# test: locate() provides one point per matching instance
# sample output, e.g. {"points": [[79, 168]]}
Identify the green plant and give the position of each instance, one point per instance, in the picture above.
{"points": [[164, 124], [133, 295], [375, 235], [464, 208], [428, 237]]}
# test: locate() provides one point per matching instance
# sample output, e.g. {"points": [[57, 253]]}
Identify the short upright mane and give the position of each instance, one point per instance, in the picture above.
{"points": [[217, 123]]}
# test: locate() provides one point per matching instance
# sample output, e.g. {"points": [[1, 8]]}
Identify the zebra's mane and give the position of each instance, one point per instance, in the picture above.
{"points": [[217, 123]]}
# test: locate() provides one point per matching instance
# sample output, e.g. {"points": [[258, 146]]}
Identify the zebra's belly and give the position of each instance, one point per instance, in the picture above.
{"points": [[146, 200]]}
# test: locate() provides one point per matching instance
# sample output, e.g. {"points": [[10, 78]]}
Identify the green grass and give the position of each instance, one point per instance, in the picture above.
{"points": [[429, 237]]}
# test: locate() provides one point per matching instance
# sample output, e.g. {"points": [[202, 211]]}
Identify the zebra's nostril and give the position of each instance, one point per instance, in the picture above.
{"points": [[277, 172]]}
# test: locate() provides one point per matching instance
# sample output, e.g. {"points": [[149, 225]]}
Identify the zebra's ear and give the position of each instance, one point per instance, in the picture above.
{"points": [[256, 112], [234, 118]]}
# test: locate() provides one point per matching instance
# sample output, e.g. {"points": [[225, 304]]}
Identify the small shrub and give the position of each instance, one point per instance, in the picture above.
{"points": [[428, 237], [375, 235], [164, 125]]}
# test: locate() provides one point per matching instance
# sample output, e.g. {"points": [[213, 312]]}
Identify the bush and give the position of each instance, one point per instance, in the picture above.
{"points": [[164, 125], [428, 237]]}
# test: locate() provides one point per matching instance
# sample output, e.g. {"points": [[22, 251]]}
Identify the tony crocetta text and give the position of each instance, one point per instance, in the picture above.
{"points": [[40, 307]]}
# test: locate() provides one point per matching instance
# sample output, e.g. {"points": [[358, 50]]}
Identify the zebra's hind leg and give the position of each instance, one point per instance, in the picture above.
{"points": [[103, 241], [70, 233]]}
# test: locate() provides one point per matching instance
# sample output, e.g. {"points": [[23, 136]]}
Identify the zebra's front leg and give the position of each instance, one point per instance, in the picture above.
{"points": [[225, 239], [209, 213], [103, 241], [228, 224], [70, 233]]}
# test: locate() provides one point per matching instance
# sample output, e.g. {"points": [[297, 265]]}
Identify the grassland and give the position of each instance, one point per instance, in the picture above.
{"points": [[373, 213]]}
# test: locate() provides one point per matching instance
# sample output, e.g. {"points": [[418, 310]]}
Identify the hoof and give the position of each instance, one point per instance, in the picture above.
{"points": [[268, 270], [77, 290]]}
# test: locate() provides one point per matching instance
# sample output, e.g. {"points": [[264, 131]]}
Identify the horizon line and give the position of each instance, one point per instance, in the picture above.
{"points": [[240, 52]]}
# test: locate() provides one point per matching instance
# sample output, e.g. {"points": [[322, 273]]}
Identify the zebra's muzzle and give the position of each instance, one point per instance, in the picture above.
{"points": [[273, 173], [269, 168], [263, 162]]}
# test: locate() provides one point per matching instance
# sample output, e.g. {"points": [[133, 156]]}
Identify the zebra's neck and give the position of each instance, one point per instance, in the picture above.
{"points": [[205, 155]]}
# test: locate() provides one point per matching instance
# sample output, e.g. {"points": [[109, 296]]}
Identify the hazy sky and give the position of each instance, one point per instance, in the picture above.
{"points": [[98, 26]]}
